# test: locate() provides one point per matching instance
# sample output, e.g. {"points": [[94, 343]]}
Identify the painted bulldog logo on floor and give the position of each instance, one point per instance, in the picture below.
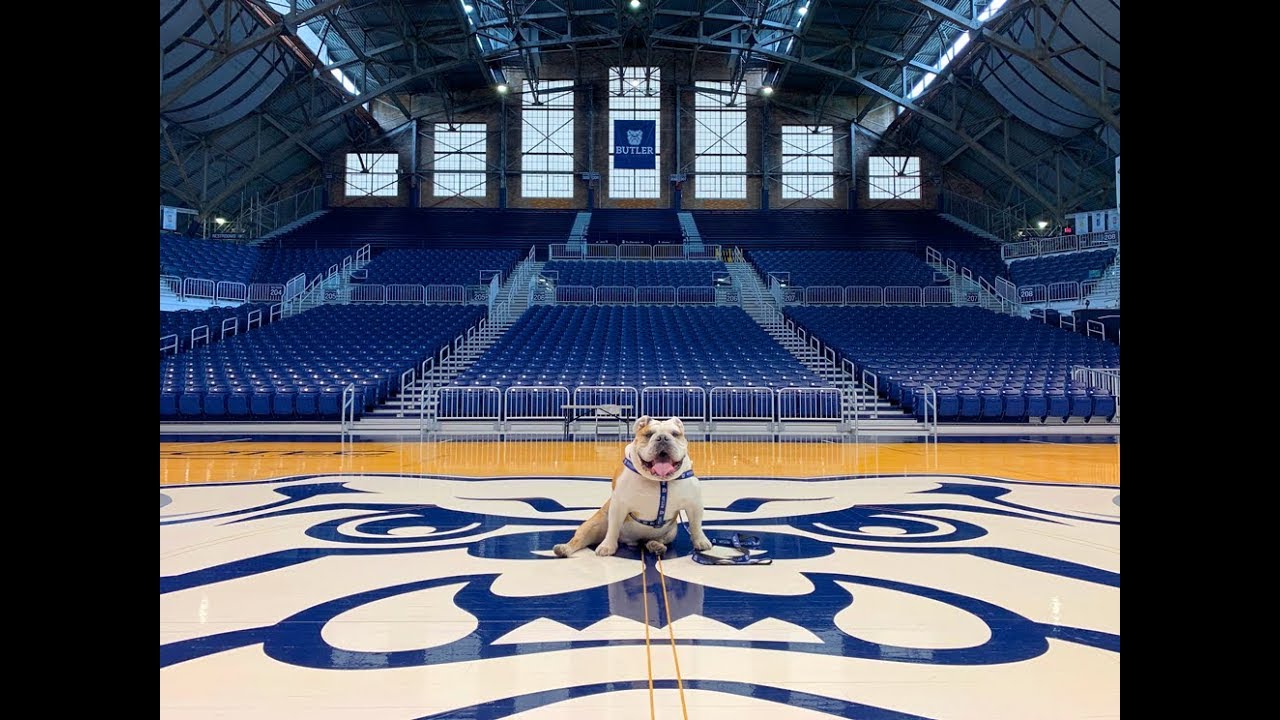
{"points": [[395, 572]]}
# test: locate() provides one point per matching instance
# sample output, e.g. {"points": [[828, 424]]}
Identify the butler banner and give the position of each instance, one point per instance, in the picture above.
{"points": [[633, 144]]}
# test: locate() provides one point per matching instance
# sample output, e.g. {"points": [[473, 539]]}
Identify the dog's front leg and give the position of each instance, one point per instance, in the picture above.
{"points": [[589, 533], [617, 516], [700, 541]]}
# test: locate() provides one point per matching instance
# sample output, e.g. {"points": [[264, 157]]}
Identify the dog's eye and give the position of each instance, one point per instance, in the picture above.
{"points": [[676, 433]]}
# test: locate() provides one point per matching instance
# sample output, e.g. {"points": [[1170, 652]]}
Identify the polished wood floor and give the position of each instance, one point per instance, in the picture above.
{"points": [[229, 461]]}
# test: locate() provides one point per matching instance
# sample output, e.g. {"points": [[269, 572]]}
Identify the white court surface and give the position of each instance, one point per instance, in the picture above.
{"points": [[390, 596]]}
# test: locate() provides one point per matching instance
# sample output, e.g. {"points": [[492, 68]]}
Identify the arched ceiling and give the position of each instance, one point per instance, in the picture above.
{"points": [[1021, 96]]}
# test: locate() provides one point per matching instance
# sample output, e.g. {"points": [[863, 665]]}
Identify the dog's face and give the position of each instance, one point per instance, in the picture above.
{"points": [[661, 447]]}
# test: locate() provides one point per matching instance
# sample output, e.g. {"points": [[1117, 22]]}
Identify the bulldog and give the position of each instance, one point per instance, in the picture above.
{"points": [[655, 484]]}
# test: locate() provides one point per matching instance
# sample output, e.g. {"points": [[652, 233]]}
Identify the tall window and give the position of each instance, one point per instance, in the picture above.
{"points": [[372, 175], [808, 162], [547, 140], [634, 95], [459, 164], [894, 178], [720, 143]]}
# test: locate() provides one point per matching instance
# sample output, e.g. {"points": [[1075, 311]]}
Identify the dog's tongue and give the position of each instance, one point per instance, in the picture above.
{"points": [[662, 468]]}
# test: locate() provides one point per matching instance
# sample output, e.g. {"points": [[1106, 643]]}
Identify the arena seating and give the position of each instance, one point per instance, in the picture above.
{"points": [[220, 260], [182, 322], [1067, 267], [625, 346], [844, 267], [648, 227], [983, 263], [278, 266], [439, 266], [906, 230], [297, 369], [673, 273], [984, 366], [208, 259], [353, 228]]}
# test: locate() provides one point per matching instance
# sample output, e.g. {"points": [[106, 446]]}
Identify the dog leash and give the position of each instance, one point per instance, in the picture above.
{"points": [[659, 521], [648, 655], [739, 542]]}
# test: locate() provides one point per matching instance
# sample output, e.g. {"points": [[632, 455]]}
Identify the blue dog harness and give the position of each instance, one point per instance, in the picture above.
{"points": [[657, 522]]}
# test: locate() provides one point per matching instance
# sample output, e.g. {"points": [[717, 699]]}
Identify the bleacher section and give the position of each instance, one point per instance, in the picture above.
{"points": [[208, 259], [984, 366], [648, 227], [673, 273], [439, 266], [907, 230], [182, 322], [983, 263], [299, 368], [413, 228], [640, 346], [843, 267], [1068, 267], [278, 266], [220, 260]]}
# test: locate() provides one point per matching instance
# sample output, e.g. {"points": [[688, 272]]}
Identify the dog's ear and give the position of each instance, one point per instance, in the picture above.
{"points": [[642, 422], [678, 423]]}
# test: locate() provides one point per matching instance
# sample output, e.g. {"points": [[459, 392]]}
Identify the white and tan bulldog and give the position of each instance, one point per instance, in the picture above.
{"points": [[656, 483]]}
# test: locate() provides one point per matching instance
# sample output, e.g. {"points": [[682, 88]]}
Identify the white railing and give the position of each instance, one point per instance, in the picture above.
{"points": [[169, 343], [742, 403], [468, 403], [686, 402], [199, 288], [1001, 222], [575, 295], [903, 295], [623, 395], [266, 292], [686, 295], [368, 294], [348, 412], [404, 293], [864, 295], [656, 295], [615, 295], [528, 402], [631, 251], [937, 295], [199, 333], [1107, 379], [795, 403], [172, 283], [690, 403], [824, 295], [445, 293], [1060, 244], [632, 295], [930, 409], [232, 323]]}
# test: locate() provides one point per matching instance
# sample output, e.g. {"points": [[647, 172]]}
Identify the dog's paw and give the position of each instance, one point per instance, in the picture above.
{"points": [[656, 547], [562, 550], [605, 549], [701, 543]]}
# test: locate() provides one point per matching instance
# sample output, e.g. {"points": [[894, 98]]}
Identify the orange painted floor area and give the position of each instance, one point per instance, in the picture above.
{"points": [[186, 463]]}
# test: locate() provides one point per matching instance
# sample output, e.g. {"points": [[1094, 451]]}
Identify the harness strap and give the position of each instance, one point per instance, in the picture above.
{"points": [[658, 521]]}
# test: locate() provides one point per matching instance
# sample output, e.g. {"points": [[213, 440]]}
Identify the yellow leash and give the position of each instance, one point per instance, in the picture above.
{"points": [[684, 709], [648, 657]]}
